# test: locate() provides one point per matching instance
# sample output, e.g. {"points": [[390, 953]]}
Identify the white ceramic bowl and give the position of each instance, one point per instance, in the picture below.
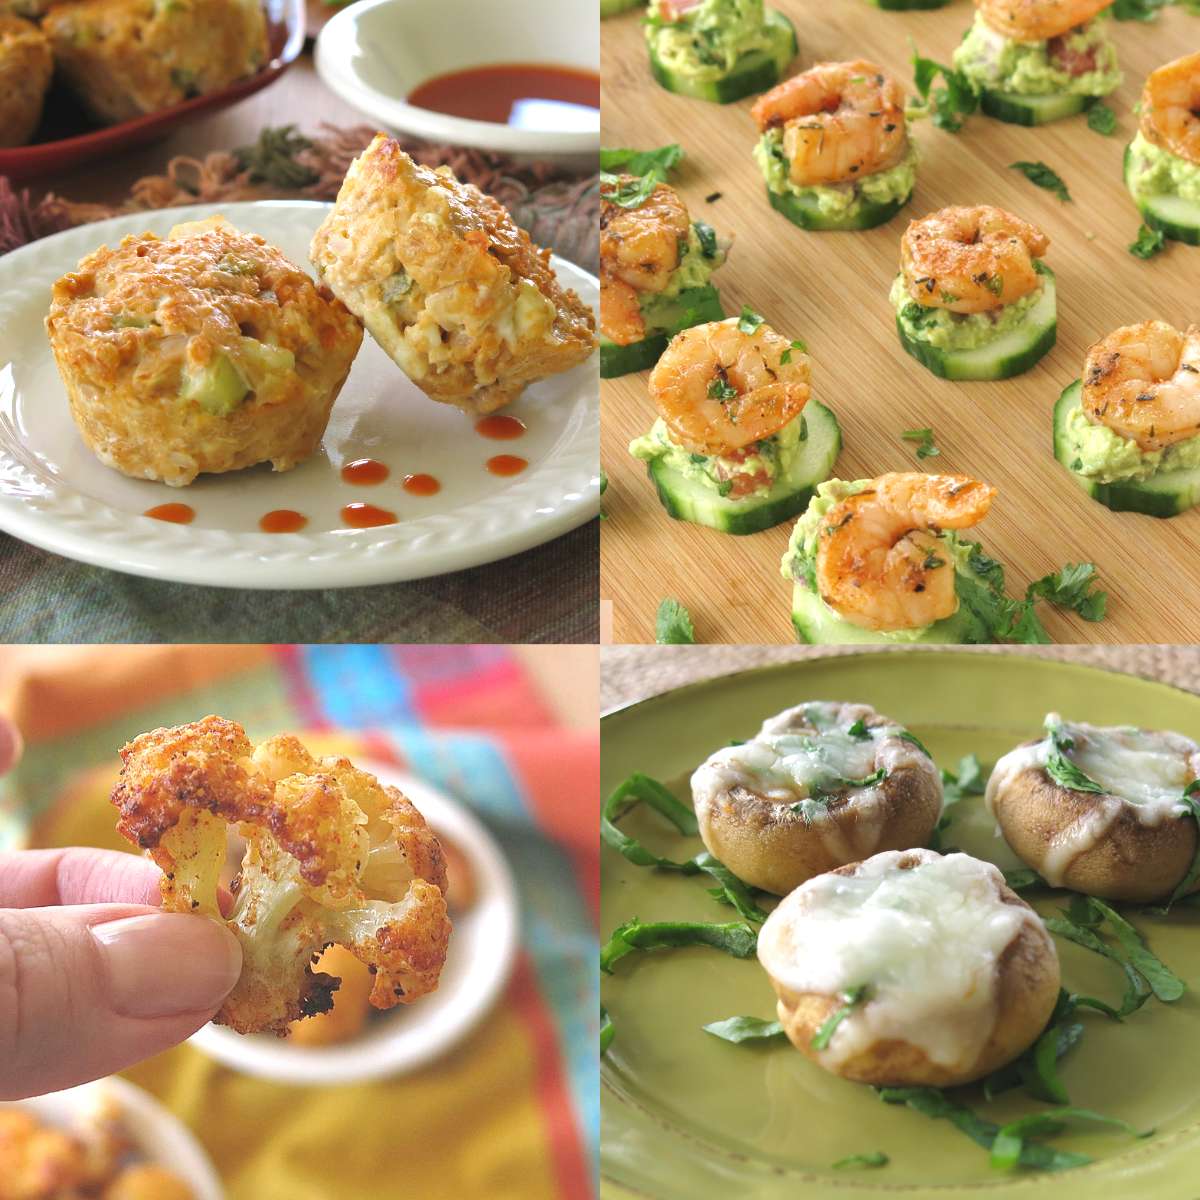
{"points": [[160, 1137], [373, 53], [480, 958]]}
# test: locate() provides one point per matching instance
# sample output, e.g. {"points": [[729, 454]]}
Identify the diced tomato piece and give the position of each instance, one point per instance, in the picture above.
{"points": [[672, 10], [1073, 62], [743, 482]]}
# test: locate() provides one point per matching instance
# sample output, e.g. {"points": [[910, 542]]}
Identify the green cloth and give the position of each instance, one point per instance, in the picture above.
{"points": [[547, 594]]}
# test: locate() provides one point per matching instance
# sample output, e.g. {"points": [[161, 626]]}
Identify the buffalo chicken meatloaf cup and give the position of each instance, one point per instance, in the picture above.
{"points": [[26, 66], [128, 57], [820, 785], [206, 351], [941, 973], [459, 297]]}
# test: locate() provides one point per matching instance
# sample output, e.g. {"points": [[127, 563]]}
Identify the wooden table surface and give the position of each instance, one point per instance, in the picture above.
{"points": [[831, 290]]}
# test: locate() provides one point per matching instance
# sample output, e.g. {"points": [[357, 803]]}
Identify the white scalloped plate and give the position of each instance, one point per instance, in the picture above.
{"points": [[55, 494]]}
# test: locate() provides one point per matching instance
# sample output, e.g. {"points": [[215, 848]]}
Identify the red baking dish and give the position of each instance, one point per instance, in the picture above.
{"points": [[70, 138]]}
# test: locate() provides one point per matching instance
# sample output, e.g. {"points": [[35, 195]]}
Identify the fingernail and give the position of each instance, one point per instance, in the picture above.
{"points": [[164, 964]]}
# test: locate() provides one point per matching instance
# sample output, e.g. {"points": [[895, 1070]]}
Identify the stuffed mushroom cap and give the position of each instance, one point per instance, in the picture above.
{"points": [[203, 351], [947, 973], [1100, 809], [822, 784], [445, 281], [26, 66]]}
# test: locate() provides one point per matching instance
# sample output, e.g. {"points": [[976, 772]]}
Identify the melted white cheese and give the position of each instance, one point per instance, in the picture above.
{"points": [[802, 753], [925, 941], [1145, 770]]}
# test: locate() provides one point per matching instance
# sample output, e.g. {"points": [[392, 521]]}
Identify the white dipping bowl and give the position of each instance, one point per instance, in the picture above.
{"points": [[373, 53], [160, 1137], [478, 963]]}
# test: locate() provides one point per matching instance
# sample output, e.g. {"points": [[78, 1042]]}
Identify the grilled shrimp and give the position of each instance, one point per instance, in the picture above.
{"points": [[718, 389], [970, 260], [1170, 107], [840, 120], [879, 563], [1143, 382], [639, 248], [1037, 20]]}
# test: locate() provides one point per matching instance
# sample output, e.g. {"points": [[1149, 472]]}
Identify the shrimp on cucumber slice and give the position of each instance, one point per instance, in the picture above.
{"points": [[1129, 430], [655, 264], [973, 299], [1036, 61], [738, 444], [717, 50], [834, 146], [1162, 163]]}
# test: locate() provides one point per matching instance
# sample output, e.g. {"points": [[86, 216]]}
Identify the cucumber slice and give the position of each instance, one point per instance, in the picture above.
{"points": [[804, 211], [752, 73], [817, 624], [1179, 219], [693, 306], [1165, 494], [610, 8], [687, 499], [1033, 110], [1009, 354], [903, 5]]}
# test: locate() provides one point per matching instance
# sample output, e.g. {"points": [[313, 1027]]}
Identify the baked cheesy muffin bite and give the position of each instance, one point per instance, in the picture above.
{"points": [[1100, 809], [128, 57], [1129, 430], [973, 298], [26, 66], [820, 785], [941, 973], [204, 351], [445, 281], [1036, 61], [1162, 163], [835, 149]]}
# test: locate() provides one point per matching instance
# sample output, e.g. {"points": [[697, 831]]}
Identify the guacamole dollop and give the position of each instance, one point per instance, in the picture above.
{"points": [[993, 62], [772, 457], [957, 331], [700, 255], [1098, 453], [708, 40], [1153, 171], [834, 200]]}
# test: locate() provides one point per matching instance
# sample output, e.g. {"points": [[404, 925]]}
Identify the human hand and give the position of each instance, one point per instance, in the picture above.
{"points": [[93, 977]]}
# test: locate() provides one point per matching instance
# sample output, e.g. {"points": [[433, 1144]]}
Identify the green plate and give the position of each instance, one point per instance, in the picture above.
{"points": [[688, 1117]]}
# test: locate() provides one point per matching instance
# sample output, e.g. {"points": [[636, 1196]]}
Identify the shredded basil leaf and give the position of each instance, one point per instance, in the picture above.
{"points": [[735, 938], [745, 1029], [749, 321], [1148, 242], [924, 438], [1071, 588], [851, 999], [1102, 119], [642, 162]]}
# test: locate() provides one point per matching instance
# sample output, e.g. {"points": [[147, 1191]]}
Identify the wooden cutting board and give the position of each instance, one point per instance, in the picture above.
{"points": [[831, 290]]}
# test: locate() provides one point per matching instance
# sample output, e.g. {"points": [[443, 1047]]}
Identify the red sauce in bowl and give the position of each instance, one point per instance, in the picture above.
{"points": [[524, 95]]}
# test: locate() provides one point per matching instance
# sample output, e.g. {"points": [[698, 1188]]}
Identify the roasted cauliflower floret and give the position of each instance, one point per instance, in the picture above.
{"points": [[333, 857]]}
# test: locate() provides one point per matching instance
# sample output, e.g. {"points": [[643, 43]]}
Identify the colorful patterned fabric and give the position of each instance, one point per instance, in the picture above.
{"points": [[510, 1113]]}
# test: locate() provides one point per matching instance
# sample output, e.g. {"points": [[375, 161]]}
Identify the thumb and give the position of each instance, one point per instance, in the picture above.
{"points": [[88, 990]]}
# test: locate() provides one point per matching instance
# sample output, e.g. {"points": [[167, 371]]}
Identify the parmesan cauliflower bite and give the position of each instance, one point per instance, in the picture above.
{"points": [[459, 297], [26, 66], [204, 351], [333, 857], [125, 58]]}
